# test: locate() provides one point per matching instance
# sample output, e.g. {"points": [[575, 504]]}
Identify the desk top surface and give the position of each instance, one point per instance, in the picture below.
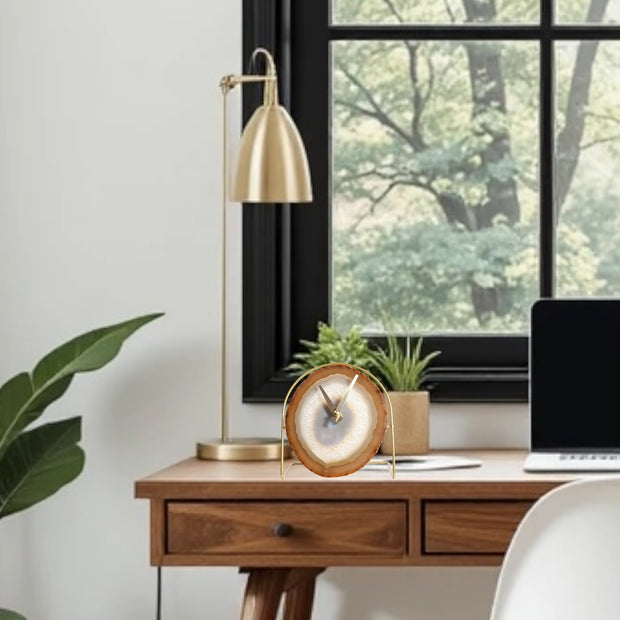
{"points": [[498, 466]]}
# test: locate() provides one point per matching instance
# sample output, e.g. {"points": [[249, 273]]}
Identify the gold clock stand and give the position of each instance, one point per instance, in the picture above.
{"points": [[390, 426]]}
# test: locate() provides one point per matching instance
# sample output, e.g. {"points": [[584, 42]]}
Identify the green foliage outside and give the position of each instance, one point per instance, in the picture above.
{"points": [[412, 11], [435, 206], [36, 462]]}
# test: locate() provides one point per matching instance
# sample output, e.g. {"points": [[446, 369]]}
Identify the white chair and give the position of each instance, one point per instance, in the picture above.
{"points": [[564, 560]]}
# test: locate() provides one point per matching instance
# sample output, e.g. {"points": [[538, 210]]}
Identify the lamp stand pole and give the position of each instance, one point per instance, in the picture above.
{"points": [[224, 423], [247, 448]]}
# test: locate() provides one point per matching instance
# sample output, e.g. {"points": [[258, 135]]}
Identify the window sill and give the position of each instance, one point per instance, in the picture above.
{"points": [[483, 385]]}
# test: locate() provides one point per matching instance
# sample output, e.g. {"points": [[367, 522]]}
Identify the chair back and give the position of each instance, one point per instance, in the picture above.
{"points": [[564, 559]]}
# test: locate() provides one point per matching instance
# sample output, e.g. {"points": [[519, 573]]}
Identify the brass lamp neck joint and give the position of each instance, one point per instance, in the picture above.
{"points": [[227, 83]]}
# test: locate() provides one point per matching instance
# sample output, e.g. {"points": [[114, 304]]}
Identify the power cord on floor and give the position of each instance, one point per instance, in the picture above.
{"points": [[158, 604]]}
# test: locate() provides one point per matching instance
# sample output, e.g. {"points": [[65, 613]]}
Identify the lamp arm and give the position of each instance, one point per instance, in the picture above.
{"points": [[228, 82], [270, 79]]}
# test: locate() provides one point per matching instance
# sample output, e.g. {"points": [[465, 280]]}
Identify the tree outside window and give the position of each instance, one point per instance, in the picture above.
{"points": [[436, 168]]}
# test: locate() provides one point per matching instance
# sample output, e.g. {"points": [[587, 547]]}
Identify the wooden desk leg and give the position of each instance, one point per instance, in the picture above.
{"points": [[300, 593], [265, 587], [263, 592]]}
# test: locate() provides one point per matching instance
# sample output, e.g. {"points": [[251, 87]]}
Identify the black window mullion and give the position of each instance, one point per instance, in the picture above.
{"points": [[547, 12], [310, 108], [432, 32], [546, 166], [464, 33], [591, 31]]}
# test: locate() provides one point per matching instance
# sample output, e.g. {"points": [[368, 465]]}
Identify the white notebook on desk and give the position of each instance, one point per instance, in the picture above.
{"points": [[575, 385], [426, 463]]}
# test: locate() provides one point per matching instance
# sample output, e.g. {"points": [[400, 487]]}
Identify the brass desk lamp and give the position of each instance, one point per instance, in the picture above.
{"points": [[272, 168]]}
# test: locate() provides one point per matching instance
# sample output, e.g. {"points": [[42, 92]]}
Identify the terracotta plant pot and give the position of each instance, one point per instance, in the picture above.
{"points": [[411, 428]]}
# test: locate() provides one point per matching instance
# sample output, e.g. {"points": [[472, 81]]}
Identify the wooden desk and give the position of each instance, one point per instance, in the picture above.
{"points": [[285, 532]]}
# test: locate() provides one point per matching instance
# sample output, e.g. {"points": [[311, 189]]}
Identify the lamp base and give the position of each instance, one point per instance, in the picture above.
{"points": [[245, 449]]}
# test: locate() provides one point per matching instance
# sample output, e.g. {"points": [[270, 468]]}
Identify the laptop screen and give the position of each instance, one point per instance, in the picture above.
{"points": [[575, 374]]}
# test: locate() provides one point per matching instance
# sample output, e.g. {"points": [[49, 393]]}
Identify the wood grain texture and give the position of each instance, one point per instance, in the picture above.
{"points": [[265, 588], [300, 594], [464, 527], [246, 528], [220, 514], [195, 479], [223, 514], [158, 531], [263, 592]]}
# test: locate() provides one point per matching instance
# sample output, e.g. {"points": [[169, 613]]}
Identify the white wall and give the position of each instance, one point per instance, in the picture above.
{"points": [[109, 207]]}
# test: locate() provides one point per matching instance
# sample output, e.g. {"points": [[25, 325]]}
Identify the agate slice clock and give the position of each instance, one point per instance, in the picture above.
{"points": [[336, 419]]}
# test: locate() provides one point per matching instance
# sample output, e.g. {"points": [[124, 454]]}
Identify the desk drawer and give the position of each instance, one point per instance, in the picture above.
{"points": [[470, 527], [311, 528]]}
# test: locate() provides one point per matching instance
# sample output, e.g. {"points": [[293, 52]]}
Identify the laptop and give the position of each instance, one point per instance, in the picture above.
{"points": [[575, 385]]}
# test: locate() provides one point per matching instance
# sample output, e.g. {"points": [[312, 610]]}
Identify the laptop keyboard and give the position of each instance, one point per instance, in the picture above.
{"points": [[572, 461], [581, 456]]}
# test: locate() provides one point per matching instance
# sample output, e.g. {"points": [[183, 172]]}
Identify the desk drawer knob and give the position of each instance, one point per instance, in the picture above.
{"points": [[281, 529]]}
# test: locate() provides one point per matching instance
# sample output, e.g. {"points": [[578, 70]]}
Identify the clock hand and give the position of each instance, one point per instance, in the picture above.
{"points": [[328, 400], [337, 415]]}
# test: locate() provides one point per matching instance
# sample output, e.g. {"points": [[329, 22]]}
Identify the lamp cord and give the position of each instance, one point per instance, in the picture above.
{"points": [[158, 600]]}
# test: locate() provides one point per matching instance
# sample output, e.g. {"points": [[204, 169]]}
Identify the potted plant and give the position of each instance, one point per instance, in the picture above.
{"points": [[332, 347], [37, 462], [404, 373]]}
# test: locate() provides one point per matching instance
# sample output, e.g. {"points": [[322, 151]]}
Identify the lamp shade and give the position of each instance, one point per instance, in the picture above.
{"points": [[272, 165]]}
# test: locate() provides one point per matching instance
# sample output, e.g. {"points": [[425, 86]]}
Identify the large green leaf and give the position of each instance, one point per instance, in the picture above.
{"points": [[38, 463], [24, 397], [6, 614]]}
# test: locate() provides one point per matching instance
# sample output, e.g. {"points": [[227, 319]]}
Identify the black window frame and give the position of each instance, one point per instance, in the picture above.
{"points": [[286, 247]]}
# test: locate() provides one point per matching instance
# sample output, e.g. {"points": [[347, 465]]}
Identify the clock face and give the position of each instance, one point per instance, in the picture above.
{"points": [[336, 420]]}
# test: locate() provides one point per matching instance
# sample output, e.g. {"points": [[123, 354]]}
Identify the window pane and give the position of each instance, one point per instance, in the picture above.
{"points": [[434, 11], [587, 165], [434, 185], [588, 11]]}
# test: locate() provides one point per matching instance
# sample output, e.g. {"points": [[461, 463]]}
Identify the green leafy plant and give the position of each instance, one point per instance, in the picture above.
{"points": [[403, 370], [37, 462], [332, 347], [5, 614]]}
